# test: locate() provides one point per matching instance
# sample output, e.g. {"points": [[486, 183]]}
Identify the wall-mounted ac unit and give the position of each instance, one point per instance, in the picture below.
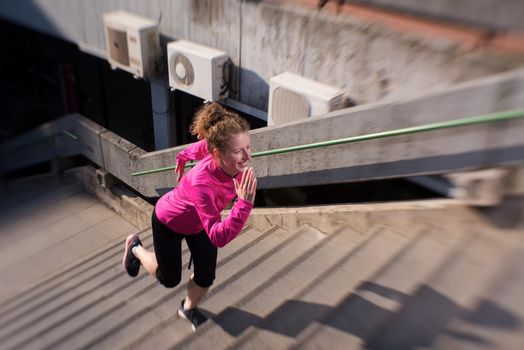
{"points": [[132, 42], [292, 97], [198, 70]]}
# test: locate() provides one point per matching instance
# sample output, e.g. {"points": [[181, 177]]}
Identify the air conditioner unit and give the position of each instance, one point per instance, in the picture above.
{"points": [[292, 97], [132, 42], [198, 70]]}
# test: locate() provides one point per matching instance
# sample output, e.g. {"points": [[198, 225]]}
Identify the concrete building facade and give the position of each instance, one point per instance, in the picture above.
{"points": [[371, 53]]}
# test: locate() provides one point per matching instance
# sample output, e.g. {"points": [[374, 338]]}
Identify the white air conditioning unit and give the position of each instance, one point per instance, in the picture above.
{"points": [[292, 97], [198, 70], [132, 42]]}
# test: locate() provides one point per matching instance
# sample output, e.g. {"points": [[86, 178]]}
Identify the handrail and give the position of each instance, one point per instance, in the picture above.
{"points": [[47, 137], [69, 134], [486, 118]]}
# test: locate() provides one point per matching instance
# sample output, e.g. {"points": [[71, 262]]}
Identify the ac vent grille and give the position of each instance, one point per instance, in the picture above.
{"points": [[293, 97], [288, 106], [182, 70], [197, 70], [118, 50]]}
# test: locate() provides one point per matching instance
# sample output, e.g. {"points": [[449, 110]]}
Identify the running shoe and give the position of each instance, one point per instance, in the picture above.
{"points": [[130, 261], [194, 316]]}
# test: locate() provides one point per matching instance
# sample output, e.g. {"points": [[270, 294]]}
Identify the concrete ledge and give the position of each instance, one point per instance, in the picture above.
{"points": [[479, 188], [123, 201], [360, 217], [508, 214], [515, 182], [105, 179], [440, 151]]}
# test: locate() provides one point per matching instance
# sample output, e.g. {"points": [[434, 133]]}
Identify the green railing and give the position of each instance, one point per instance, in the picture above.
{"points": [[53, 135], [68, 134], [487, 118]]}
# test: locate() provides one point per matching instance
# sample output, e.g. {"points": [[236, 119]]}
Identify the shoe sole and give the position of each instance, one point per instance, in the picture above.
{"points": [[183, 315], [128, 241]]}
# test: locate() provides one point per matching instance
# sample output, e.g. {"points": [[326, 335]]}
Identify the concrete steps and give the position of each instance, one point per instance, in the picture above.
{"points": [[164, 303], [55, 286], [101, 291], [495, 320], [237, 277], [375, 301], [28, 191], [56, 300], [387, 276], [46, 208], [269, 292], [285, 323], [253, 308], [45, 233], [450, 292]]}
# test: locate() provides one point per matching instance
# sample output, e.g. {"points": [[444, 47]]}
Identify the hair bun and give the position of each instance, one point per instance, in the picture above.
{"points": [[215, 114], [215, 124]]}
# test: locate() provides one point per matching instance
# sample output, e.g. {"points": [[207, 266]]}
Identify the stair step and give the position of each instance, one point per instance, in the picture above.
{"points": [[110, 297], [164, 303], [64, 297], [243, 277], [134, 304], [449, 292], [15, 204], [53, 254], [251, 309], [51, 241], [278, 331], [85, 300], [374, 302], [50, 288], [497, 319], [234, 262], [46, 208]]}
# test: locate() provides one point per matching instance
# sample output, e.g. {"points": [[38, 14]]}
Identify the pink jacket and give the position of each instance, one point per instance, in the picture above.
{"points": [[204, 192]]}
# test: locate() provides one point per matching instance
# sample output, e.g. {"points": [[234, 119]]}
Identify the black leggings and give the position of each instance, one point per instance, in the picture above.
{"points": [[168, 251]]}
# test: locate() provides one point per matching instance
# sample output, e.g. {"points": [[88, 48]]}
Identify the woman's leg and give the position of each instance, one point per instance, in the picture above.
{"points": [[147, 259], [168, 254], [204, 255], [194, 294]]}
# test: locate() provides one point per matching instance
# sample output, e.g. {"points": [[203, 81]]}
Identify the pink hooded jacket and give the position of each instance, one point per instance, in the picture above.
{"points": [[197, 202]]}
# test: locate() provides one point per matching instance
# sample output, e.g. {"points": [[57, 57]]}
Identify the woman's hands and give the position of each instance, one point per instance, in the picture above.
{"points": [[247, 187], [179, 170]]}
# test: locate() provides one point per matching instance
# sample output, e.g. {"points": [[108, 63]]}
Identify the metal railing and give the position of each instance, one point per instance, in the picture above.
{"points": [[68, 134], [486, 118], [47, 137]]}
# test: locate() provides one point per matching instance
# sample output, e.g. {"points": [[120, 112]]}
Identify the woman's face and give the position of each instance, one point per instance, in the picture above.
{"points": [[237, 154]]}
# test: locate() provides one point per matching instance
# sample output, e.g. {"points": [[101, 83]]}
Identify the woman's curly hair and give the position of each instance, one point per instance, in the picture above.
{"points": [[216, 124]]}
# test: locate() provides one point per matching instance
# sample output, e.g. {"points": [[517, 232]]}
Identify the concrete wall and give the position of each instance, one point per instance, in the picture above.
{"points": [[499, 14], [426, 153], [370, 60], [435, 152]]}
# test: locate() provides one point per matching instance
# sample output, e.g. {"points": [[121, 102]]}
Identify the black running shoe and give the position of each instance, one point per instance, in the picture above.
{"points": [[193, 315], [130, 261]]}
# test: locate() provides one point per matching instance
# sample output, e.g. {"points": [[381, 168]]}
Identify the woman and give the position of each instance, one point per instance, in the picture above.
{"points": [[191, 211]]}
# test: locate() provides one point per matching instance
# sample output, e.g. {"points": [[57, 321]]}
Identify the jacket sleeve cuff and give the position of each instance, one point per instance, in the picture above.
{"points": [[245, 204]]}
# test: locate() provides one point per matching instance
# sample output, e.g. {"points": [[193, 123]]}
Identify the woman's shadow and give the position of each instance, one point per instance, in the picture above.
{"points": [[419, 319]]}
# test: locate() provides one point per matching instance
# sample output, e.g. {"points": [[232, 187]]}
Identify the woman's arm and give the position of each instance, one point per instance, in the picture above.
{"points": [[196, 151], [220, 232]]}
